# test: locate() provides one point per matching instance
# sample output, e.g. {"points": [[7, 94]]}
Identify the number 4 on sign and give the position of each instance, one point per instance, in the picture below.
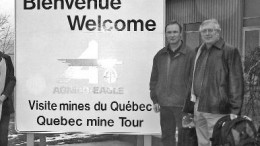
{"points": [[77, 67], [86, 66]]}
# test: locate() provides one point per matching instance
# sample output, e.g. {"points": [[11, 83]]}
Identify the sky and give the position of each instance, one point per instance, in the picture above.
{"points": [[7, 8]]}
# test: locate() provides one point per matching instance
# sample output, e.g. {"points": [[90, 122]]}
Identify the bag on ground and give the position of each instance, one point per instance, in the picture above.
{"points": [[188, 136], [237, 132]]}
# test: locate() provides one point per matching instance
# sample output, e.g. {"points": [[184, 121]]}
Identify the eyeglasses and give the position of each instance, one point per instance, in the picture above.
{"points": [[204, 31]]}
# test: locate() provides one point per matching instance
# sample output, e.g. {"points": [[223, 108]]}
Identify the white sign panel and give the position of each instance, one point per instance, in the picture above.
{"points": [[85, 65]]}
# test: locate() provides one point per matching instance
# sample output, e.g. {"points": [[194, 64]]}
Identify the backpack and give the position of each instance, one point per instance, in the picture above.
{"points": [[237, 132]]}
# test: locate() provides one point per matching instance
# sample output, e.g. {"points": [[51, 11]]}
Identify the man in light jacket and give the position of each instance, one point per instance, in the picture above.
{"points": [[7, 83], [217, 81]]}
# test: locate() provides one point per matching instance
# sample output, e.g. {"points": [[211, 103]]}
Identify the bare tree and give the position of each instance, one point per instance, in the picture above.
{"points": [[6, 35], [252, 88]]}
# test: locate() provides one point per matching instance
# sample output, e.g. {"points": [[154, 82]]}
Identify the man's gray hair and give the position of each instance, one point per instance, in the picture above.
{"points": [[210, 21]]}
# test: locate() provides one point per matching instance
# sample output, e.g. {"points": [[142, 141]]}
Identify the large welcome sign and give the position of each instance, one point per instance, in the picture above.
{"points": [[85, 65]]}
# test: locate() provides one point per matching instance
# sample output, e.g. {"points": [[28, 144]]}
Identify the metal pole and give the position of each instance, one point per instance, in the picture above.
{"points": [[30, 139], [147, 140]]}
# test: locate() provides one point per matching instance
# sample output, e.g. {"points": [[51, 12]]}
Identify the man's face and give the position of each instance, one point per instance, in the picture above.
{"points": [[173, 34], [209, 34]]}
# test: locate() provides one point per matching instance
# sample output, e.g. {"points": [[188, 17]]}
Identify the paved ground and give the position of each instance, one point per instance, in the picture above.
{"points": [[106, 143]]}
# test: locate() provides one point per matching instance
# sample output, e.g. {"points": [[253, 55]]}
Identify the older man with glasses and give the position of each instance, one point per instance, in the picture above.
{"points": [[217, 81]]}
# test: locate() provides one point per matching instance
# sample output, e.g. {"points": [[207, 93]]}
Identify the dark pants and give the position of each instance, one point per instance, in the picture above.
{"points": [[170, 117], [4, 125]]}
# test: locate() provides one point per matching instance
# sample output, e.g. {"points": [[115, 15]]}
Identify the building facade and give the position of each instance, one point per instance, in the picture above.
{"points": [[240, 24], [239, 20]]}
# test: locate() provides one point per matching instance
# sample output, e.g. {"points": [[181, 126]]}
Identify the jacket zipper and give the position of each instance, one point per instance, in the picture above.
{"points": [[168, 71]]}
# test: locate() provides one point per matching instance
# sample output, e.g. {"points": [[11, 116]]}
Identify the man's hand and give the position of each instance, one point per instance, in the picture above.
{"points": [[2, 98], [156, 107]]}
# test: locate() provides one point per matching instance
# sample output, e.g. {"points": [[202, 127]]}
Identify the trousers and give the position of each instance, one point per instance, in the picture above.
{"points": [[4, 126], [170, 118], [204, 123]]}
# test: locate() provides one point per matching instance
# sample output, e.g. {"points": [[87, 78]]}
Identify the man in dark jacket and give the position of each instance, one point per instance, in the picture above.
{"points": [[168, 83], [217, 81], [7, 83]]}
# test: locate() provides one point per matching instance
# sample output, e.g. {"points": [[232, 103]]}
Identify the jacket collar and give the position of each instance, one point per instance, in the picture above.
{"points": [[181, 49], [219, 44]]}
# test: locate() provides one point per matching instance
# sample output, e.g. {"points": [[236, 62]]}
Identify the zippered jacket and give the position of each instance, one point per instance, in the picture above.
{"points": [[222, 88], [170, 76]]}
